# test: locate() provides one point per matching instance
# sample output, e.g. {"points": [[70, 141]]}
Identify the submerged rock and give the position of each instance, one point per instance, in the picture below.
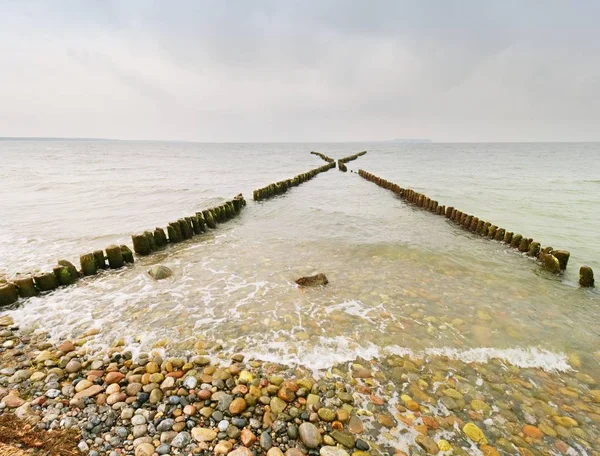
{"points": [[159, 272], [313, 281]]}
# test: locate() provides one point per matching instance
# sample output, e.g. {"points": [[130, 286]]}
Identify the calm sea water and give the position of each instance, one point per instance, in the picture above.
{"points": [[401, 280]]}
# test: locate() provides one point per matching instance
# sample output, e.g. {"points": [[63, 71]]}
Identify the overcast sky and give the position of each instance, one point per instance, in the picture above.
{"points": [[344, 70]]}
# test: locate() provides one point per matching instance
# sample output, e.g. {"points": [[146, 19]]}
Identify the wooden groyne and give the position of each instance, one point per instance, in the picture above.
{"points": [[550, 259], [116, 256], [352, 157], [283, 186], [323, 156], [342, 161]]}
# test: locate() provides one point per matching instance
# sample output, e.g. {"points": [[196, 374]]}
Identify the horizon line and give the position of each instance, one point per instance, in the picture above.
{"points": [[391, 141]]}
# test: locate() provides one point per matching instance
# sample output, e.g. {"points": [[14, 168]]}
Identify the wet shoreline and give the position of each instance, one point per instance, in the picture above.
{"points": [[400, 405]]}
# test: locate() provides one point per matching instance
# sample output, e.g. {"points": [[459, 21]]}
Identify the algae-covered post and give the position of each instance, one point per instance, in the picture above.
{"points": [[352, 157], [160, 237], [554, 261], [323, 156], [8, 294], [141, 244], [563, 258], [46, 281], [115, 256], [173, 235], [534, 249], [100, 259], [25, 287], [151, 241], [280, 187], [500, 233], [63, 277], [127, 254], [549, 262], [586, 277], [88, 264]]}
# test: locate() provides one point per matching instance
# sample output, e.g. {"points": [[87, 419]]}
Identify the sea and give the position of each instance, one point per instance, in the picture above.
{"points": [[406, 287], [402, 280]]}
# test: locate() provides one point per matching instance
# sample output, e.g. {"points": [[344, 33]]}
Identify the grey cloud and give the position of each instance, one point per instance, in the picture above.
{"points": [[317, 70]]}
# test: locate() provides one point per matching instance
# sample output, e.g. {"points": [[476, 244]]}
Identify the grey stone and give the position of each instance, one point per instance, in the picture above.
{"points": [[181, 440], [310, 435]]}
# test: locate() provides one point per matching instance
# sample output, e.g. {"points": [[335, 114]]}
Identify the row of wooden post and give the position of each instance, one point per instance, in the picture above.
{"points": [[352, 157], [342, 161], [282, 186], [185, 228], [117, 256], [554, 261], [323, 156]]}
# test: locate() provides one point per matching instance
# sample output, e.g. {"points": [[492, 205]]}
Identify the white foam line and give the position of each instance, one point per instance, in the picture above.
{"points": [[520, 357]]}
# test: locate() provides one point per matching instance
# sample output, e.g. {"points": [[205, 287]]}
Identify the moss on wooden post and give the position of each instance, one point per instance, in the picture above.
{"points": [[179, 230], [127, 254], [25, 287], [479, 227], [586, 277], [524, 245], [8, 294], [550, 263], [160, 237], [115, 256], [46, 281], [516, 241], [201, 221], [563, 258], [196, 225], [151, 241], [173, 231], [486, 227], [88, 264], [186, 229], [100, 259], [63, 277], [500, 233], [534, 249], [141, 244], [210, 221]]}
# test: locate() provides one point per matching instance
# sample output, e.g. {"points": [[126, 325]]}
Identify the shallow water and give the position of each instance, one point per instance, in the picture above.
{"points": [[401, 280]]}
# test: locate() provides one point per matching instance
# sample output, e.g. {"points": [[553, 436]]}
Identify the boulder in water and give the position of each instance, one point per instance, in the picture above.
{"points": [[313, 281], [159, 272]]}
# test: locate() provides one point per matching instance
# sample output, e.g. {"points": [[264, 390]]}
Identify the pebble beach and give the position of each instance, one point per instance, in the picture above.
{"points": [[160, 405]]}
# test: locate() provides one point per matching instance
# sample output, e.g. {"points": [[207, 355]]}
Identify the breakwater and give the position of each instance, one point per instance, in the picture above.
{"points": [[323, 156], [555, 261], [352, 157], [117, 256], [283, 186], [342, 161]]}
